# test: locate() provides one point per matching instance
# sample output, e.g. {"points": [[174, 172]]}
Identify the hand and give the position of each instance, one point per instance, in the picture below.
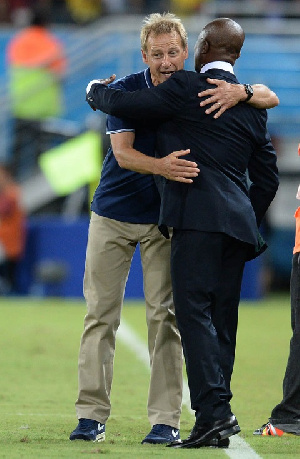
{"points": [[174, 168], [224, 95], [107, 81]]}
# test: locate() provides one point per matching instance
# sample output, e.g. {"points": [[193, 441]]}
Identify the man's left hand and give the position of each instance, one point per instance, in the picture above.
{"points": [[174, 167]]}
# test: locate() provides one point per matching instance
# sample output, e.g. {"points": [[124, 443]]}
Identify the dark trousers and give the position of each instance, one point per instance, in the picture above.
{"points": [[7, 277], [207, 270], [286, 415], [27, 146]]}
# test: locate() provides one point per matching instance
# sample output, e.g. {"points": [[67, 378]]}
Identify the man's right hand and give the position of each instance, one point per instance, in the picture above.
{"points": [[173, 167]]}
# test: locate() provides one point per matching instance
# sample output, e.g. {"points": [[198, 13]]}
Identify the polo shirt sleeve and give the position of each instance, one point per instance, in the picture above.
{"points": [[115, 125]]}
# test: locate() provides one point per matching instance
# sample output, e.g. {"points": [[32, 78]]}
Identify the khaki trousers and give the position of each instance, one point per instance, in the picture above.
{"points": [[111, 245]]}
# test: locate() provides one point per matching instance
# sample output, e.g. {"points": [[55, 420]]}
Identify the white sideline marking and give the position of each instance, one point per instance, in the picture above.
{"points": [[238, 447]]}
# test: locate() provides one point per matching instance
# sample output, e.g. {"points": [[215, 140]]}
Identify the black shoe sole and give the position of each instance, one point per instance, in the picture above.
{"points": [[80, 437], [228, 432], [155, 442], [217, 443], [222, 435]]}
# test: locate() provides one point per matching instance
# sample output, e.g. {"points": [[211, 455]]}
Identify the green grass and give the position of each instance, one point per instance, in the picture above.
{"points": [[39, 342]]}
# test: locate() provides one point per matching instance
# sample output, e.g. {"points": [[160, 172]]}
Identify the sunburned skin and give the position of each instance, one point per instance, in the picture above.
{"points": [[165, 55]]}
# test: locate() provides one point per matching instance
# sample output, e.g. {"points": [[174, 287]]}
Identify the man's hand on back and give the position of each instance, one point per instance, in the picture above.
{"points": [[172, 167], [223, 96]]}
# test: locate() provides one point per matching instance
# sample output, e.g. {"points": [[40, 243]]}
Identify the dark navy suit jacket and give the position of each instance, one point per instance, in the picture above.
{"points": [[221, 198]]}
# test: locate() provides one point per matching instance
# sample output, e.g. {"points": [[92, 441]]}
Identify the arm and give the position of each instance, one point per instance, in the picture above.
{"points": [[263, 174], [159, 103], [226, 95], [170, 167]]}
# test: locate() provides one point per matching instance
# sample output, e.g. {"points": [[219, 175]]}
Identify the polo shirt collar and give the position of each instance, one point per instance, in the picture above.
{"points": [[148, 78]]}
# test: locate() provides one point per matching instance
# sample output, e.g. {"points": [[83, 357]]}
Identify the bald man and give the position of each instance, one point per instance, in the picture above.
{"points": [[215, 219]]}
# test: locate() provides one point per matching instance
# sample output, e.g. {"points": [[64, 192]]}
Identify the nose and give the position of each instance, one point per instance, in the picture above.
{"points": [[166, 61]]}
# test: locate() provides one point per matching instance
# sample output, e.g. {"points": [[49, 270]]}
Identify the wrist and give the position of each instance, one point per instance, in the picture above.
{"points": [[242, 93], [155, 166], [248, 92]]}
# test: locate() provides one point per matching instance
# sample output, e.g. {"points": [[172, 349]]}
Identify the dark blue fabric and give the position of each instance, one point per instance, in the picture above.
{"points": [[124, 195]]}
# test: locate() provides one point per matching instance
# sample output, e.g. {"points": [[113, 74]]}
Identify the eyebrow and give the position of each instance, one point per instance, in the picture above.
{"points": [[161, 49]]}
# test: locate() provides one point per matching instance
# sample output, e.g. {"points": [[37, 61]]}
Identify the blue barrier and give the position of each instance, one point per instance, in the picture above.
{"points": [[252, 285], [53, 263], [54, 258], [53, 244]]}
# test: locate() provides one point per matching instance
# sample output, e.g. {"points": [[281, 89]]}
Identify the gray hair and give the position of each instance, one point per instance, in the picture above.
{"points": [[160, 24]]}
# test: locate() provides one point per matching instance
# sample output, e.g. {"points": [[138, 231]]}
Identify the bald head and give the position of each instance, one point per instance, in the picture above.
{"points": [[220, 40]]}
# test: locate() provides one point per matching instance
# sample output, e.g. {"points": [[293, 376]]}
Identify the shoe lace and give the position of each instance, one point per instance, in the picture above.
{"points": [[87, 424], [161, 429]]}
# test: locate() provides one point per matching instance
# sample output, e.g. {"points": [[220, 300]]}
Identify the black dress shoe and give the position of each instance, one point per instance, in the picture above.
{"points": [[213, 443], [202, 434], [217, 443]]}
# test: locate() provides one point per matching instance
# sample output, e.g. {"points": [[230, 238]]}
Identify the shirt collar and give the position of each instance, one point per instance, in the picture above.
{"points": [[148, 78], [217, 65]]}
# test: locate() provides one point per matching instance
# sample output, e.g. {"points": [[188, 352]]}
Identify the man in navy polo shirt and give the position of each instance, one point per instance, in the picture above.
{"points": [[125, 210]]}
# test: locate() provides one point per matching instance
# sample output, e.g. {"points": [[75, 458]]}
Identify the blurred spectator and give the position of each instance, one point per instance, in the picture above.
{"points": [[186, 6], [19, 11], [114, 6], [12, 231], [4, 17], [85, 11], [36, 63], [157, 6]]}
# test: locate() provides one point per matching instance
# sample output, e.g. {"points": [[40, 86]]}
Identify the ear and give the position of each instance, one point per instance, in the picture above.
{"points": [[204, 47], [238, 55], [144, 57], [186, 53]]}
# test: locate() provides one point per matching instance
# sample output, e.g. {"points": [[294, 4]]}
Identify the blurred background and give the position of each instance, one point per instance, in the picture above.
{"points": [[52, 144]]}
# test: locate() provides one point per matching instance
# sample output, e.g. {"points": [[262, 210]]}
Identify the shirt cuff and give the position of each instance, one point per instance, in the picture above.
{"points": [[88, 88]]}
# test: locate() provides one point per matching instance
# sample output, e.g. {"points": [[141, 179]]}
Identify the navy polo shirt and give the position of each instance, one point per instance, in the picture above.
{"points": [[122, 194]]}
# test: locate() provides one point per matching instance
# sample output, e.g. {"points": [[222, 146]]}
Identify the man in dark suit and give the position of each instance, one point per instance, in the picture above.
{"points": [[215, 219]]}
